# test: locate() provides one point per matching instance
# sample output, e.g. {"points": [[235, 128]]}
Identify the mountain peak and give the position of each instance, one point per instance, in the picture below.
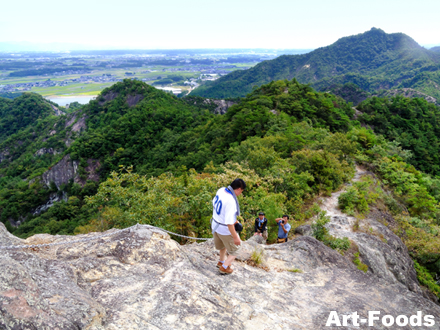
{"points": [[373, 60], [379, 41]]}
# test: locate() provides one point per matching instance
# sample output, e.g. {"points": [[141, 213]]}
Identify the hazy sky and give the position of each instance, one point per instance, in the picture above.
{"points": [[146, 24]]}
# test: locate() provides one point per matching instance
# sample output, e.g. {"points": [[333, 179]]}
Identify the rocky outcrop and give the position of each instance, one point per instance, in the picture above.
{"points": [[379, 248], [61, 173], [304, 230], [57, 111], [257, 239], [67, 169], [43, 151], [91, 169], [357, 113], [79, 125], [139, 278], [53, 198], [76, 123], [7, 239], [107, 97], [16, 222], [132, 100], [4, 155], [222, 105]]}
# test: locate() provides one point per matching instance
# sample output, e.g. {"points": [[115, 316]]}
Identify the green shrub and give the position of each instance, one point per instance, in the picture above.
{"points": [[426, 279], [408, 186], [318, 229], [328, 172], [358, 197], [339, 244]]}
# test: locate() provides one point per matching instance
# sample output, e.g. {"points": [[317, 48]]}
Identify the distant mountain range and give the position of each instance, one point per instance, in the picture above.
{"points": [[42, 47], [373, 60], [81, 49]]}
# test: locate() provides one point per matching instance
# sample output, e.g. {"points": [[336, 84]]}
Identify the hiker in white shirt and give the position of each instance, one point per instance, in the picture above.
{"points": [[224, 217]]}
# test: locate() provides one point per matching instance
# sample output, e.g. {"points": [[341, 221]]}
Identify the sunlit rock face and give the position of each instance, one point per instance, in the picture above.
{"points": [[139, 278]]}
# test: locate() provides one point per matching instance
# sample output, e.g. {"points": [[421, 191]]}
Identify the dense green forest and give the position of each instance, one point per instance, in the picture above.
{"points": [[373, 61], [28, 125], [19, 113], [10, 95], [160, 134], [412, 123], [162, 158]]}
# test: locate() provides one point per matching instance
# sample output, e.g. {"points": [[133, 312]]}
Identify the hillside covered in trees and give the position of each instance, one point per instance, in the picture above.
{"points": [[373, 60], [139, 155]]}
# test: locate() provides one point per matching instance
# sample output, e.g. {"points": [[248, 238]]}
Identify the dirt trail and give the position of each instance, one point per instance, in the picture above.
{"points": [[330, 205]]}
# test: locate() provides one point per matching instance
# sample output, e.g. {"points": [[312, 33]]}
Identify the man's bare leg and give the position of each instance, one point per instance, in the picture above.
{"points": [[228, 261], [223, 254]]}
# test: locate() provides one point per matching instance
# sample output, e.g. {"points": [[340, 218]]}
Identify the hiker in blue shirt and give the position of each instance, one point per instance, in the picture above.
{"points": [[283, 228]]}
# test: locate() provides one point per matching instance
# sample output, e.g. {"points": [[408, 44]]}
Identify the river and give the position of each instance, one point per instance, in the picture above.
{"points": [[63, 100]]}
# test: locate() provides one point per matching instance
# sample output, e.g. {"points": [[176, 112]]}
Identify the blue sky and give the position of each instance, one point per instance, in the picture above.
{"points": [[213, 24]]}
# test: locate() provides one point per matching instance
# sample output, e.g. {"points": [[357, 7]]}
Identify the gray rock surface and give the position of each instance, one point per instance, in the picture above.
{"points": [[222, 105], [4, 154], [53, 198], [57, 111], [139, 278], [107, 97], [61, 172], [132, 100], [304, 230], [79, 125], [43, 151], [67, 169], [7, 239], [379, 248], [257, 239]]}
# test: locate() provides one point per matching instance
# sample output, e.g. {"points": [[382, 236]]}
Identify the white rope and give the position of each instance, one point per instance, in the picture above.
{"points": [[32, 246], [196, 238]]}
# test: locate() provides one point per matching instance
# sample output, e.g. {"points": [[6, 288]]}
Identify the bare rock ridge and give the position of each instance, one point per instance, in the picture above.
{"points": [[138, 278], [380, 249]]}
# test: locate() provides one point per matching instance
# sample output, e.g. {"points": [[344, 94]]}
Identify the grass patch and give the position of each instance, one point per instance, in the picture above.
{"points": [[258, 256], [295, 270], [257, 259], [359, 264]]}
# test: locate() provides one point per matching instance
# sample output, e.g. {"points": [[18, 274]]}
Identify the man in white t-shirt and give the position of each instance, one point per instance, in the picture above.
{"points": [[224, 216]]}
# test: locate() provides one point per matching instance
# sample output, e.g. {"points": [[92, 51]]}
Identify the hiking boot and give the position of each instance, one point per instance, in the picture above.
{"points": [[226, 271], [219, 264]]}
